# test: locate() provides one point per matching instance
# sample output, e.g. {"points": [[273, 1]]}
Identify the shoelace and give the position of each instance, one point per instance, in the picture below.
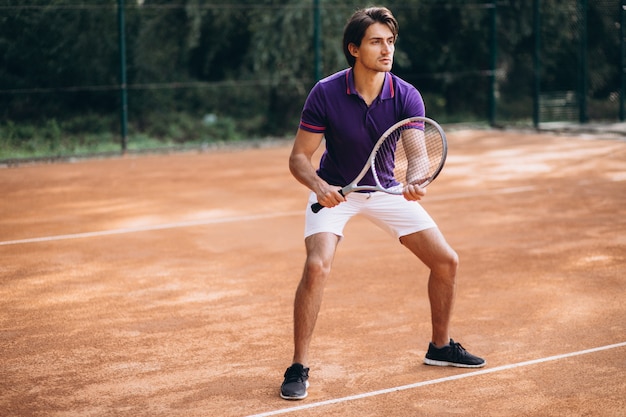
{"points": [[458, 351], [293, 375], [457, 346]]}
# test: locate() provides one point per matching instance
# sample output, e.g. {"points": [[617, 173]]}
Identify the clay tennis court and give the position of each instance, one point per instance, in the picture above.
{"points": [[162, 285]]}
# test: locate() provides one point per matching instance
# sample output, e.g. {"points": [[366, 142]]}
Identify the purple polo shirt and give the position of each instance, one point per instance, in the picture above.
{"points": [[350, 127]]}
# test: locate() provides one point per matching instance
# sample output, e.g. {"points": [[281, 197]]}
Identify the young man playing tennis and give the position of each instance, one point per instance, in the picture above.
{"points": [[352, 109]]}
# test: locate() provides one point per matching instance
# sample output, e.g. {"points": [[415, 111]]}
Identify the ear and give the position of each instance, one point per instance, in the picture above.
{"points": [[353, 49]]}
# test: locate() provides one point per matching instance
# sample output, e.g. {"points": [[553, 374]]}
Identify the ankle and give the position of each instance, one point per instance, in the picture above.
{"points": [[440, 345]]}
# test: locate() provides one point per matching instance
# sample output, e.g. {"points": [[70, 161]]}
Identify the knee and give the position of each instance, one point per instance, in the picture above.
{"points": [[316, 267], [316, 270], [449, 264], [453, 260]]}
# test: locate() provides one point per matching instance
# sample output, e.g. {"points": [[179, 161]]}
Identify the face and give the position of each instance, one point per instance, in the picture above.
{"points": [[376, 50]]}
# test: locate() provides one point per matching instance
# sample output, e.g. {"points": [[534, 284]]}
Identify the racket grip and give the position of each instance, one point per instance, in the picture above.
{"points": [[315, 207]]}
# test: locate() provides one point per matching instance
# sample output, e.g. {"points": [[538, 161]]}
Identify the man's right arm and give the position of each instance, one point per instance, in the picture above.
{"points": [[301, 167]]}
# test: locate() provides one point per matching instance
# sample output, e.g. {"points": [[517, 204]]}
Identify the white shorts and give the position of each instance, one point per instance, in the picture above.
{"points": [[392, 213]]}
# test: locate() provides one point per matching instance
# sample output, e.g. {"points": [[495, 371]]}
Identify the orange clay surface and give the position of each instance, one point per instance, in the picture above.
{"points": [[162, 285]]}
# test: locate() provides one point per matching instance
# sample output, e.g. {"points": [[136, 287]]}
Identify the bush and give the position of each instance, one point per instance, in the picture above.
{"points": [[94, 134]]}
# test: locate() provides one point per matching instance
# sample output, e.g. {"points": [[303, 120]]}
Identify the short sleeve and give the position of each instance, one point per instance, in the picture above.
{"points": [[414, 104], [313, 117]]}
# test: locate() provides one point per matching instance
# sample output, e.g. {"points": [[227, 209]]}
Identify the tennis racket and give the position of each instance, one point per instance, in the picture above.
{"points": [[412, 151]]}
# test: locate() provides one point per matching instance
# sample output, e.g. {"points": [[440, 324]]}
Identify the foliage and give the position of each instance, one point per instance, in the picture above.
{"points": [[249, 64]]}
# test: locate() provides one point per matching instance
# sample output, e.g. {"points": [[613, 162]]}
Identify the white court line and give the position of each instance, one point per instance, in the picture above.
{"points": [[203, 222], [147, 228], [436, 381]]}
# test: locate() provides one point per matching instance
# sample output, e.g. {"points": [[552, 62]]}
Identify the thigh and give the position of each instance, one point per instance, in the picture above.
{"points": [[430, 247], [321, 248]]}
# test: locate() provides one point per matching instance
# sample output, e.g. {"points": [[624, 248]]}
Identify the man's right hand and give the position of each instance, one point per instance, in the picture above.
{"points": [[330, 196]]}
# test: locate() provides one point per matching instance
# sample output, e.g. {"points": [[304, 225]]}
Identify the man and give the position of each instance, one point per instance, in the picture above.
{"points": [[352, 109]]}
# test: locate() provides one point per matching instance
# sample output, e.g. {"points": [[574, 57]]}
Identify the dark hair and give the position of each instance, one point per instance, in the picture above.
{"points": [[359, 22]]}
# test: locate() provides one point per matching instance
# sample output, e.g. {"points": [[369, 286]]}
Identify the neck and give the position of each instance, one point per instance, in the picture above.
{"points": [[368, 83]]}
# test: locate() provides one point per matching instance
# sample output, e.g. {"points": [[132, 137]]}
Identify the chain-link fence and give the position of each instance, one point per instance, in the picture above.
{"points": [[91, 78], [579, 68]]}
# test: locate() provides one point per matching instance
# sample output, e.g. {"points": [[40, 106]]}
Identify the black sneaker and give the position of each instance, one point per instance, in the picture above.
{"points": [[296, 382], [452, 355]]}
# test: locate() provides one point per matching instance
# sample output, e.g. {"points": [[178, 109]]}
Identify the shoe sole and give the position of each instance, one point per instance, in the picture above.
{"points": [[301, 397], [456, 365]]}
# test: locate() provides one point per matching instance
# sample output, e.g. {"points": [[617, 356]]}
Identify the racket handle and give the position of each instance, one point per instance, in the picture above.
{"points": [[315, 207]]}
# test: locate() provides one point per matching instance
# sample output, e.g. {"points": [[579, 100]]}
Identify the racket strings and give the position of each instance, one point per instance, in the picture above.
{"points": [[411, 154]]}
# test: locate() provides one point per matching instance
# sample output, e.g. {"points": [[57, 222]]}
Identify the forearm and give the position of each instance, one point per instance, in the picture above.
{"points": [[303, 170]]}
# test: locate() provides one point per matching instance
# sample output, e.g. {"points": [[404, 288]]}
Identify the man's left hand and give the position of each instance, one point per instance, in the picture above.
{"points": [[413, 192]]}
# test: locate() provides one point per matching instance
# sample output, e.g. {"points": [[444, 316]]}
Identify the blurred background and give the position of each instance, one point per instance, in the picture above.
{"points": [[109, 77]]}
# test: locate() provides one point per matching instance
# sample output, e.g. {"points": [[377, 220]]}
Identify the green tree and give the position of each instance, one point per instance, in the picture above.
{"points": [[58, 48]]}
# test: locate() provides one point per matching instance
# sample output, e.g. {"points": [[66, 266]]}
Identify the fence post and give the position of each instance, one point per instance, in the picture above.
{"points": [[317, 40], [493, 63], [583, 64], [536, 63], [622, 65], [123, 87]]}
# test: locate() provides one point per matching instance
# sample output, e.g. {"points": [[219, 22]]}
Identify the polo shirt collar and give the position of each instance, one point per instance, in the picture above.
{"points": [[387, 91]]}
